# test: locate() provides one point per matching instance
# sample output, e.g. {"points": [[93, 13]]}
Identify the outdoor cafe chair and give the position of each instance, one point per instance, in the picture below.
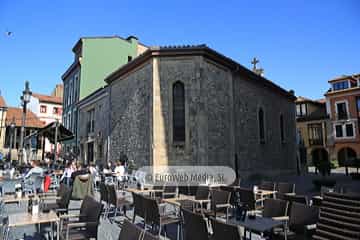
{"points": [[154, 218], [183, 189], [193, 189], [236, 182], [55, 182], [60, 205], [86, 226], [4, 228], [222, 230], [104, 198], [194, 226], [130, 231], [275, 208], [139, 208], [266, 185], [248, 199], [2, 208], [202, 197], [115, 201], [158, 195], [169, 191], [220, 204], [301, 223], [297, 198], [285, 187], [148, 236]]}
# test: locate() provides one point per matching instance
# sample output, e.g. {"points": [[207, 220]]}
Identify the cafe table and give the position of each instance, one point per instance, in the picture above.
{"points": [[25, 218], [258, 225], [14, 198], [178, 200], [143, 191]]}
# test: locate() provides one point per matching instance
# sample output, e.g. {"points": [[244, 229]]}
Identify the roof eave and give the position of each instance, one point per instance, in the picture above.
{"points": [[199, 50]]}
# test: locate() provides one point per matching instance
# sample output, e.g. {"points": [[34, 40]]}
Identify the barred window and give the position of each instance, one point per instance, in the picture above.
{"points": [[178, 112], [261, 125], [282, 134]]}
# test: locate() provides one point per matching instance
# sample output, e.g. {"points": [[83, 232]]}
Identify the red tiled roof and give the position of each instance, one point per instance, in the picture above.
{"points": [[304, 99], [31, 119], [48, 99], [2, 102], [322, 100], [352, 76]]}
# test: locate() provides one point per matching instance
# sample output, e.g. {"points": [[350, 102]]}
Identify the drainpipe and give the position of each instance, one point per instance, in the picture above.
{"points": [[108, 125]]}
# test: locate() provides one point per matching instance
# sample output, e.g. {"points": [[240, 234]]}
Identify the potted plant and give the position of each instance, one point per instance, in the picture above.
{"points": [[325, 180], [356, 164]]}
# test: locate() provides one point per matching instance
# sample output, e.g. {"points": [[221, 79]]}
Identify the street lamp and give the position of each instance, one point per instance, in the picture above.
{"points": [[12, 131], [25, 99]]}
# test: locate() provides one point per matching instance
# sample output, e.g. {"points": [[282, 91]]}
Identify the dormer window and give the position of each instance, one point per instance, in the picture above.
{"points": [[340, 85]]}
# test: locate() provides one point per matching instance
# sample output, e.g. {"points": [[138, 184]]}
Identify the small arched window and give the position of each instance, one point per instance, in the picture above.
{"points": [[282, 134], [178, 112], [261, 125]]}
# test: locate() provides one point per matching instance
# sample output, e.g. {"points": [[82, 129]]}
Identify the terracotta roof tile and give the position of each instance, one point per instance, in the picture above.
{"points": [[322, 100], [48, 99], [16, 113]]}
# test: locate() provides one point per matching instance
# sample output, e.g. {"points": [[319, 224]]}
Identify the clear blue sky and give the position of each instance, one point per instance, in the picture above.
{"points": [[301, 44]]}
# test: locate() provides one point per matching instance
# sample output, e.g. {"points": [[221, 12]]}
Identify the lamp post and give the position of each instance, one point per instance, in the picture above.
{"points": [[25, 99], [12, 130], [56, 139]]}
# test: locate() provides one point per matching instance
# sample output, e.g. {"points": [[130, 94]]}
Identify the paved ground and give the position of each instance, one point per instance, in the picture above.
{"points": [[110, 231]]}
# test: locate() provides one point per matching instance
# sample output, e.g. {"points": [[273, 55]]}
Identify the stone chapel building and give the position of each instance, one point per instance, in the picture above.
{"points": [[191, 105]]}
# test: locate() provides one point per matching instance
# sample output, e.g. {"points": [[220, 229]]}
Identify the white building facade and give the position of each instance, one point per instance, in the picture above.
{"points": [[48, 109]]}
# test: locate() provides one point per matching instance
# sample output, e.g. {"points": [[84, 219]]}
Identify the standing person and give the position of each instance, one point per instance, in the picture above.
{"points": [[35, 169], [66, 177], [80, 170]]}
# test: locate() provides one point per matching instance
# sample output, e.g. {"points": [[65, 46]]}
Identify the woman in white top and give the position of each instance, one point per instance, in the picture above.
{"points": [[67, 173], [119, 171]]}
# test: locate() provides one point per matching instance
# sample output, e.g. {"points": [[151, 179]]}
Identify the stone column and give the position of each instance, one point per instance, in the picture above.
{"points": [[159, 144]]}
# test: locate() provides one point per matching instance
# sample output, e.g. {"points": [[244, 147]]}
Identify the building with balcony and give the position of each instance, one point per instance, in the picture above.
{"points": [[312, 123], [48, 109], [343, 107]]}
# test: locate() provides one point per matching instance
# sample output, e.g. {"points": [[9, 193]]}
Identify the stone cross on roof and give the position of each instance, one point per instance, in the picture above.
{"points": [[256, 70], [254, 62]]}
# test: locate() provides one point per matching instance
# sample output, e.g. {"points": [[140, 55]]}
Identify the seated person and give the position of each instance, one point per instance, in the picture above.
{"points": [[108, 169]]}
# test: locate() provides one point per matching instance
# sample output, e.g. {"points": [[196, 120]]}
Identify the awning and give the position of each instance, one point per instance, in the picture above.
{"points": [[49, 132]]}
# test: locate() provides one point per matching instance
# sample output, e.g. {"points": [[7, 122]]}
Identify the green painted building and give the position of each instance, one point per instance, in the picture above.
{"points": [[94, 59]]}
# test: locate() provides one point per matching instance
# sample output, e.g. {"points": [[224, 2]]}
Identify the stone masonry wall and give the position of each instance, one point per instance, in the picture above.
{"points": [[273, 155], [130, 116], [207, 110]]}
